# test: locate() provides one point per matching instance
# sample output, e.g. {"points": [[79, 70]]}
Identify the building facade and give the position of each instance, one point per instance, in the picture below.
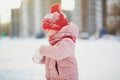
{"points": [[113, 17], [88, 15]]}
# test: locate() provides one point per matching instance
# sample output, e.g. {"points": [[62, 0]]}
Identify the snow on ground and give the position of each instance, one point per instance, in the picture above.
{"points": [[97, 59]]}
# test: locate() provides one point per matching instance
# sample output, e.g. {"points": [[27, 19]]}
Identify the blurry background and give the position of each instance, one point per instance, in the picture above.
{"points": [[22, 18], [97, 47]]}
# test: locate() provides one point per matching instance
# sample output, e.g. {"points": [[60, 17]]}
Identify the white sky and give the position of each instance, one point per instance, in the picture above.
{"points": [[68, 4], [5, 6]]}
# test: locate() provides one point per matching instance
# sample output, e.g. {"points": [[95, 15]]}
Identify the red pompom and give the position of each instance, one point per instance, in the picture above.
{"points": [[56, 19], [55, 7]]}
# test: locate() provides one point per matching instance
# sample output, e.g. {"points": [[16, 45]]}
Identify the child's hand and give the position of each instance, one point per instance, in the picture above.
{"points": [[37, 57]]}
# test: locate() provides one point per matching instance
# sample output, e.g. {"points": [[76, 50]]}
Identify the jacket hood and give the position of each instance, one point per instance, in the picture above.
{"points": [[70, 29]]}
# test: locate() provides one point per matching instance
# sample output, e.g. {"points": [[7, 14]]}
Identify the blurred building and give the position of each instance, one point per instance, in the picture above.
{"points": [[26, 15], [113, 17], [15, 23], [88, 15], [32, 11], [92, 17], [76, 14]]}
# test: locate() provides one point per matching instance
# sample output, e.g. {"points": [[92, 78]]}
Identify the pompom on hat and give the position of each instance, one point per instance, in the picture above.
{"points": [[55, 19]]}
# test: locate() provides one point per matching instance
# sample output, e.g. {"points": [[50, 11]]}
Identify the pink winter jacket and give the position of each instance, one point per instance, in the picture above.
{"points": [[59, 59]]}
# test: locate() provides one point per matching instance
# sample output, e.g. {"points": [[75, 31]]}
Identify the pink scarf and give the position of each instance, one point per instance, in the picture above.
{"points": [[59, 36]]}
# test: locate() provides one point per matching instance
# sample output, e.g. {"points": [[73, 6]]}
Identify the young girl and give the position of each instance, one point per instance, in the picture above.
{"points": [[58, 57]]}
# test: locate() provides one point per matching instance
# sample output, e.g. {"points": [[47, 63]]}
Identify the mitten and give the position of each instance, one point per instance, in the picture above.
{"points": [[37, 57]]}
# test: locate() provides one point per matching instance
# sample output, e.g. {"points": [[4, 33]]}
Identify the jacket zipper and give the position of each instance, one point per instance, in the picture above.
{"points": [[56, 66]]}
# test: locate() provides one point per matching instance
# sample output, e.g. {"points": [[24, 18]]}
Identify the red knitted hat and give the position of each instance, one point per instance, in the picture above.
{"points": [[56, 19]]}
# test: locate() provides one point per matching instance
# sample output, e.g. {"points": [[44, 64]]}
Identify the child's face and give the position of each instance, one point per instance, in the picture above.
{"points": [[50, 32]]}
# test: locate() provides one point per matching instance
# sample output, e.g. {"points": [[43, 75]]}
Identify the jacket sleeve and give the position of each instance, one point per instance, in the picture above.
{"points": [[61, 50], [43, 60]]}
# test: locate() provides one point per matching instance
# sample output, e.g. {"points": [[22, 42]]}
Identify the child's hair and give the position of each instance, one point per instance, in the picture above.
{"points": [[56, 19]]}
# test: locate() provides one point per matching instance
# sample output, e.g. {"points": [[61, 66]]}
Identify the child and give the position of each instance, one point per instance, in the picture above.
{"points": [[58, 57]]}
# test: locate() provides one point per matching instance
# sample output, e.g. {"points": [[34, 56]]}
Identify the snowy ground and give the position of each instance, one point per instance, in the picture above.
{"points": [[97, 59]]}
